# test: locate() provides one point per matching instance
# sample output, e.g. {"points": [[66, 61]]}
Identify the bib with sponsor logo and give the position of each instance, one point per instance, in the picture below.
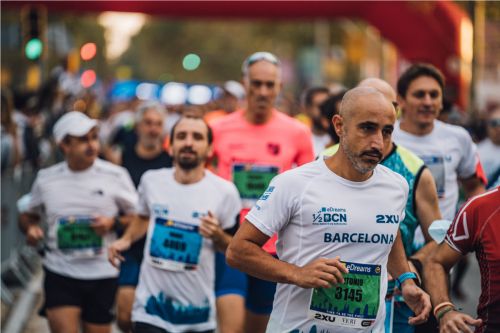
{"points": [[75, 236], [175, 245], [354, 303]]}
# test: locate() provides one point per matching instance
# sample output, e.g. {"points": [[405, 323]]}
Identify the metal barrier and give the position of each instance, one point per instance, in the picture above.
{"points": [[17, 260]]}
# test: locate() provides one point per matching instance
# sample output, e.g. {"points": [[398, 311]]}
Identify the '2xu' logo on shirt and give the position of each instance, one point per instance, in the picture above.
{"points": [[394, 219], [330, 215]]}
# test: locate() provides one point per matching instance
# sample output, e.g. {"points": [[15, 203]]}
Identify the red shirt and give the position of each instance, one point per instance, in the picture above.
{"points": [[477, 228]]}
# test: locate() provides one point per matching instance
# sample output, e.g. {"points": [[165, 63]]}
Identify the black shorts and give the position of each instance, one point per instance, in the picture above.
{"points": [[94, 297]]}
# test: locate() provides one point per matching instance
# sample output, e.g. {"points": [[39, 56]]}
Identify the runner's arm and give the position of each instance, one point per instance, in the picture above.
{"points": [[414, 297], [427, 209], [29, 223], [137, 229], [210, 228], [436, 274], [397, 263], [472, 186], [246, 254]]}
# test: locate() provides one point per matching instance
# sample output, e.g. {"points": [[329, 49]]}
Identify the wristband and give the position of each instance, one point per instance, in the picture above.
{"points": [[444, 311], [405, 276], [440, 306]]}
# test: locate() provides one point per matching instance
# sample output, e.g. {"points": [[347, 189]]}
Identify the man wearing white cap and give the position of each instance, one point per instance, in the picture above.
{"points": [[79, 199]]}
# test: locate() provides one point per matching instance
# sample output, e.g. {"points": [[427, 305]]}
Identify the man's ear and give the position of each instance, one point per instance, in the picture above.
{"points": [[210, 152], [338, 123], [401, 104]]}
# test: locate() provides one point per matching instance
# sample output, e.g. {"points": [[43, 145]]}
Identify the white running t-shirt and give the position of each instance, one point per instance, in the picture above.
{"points": [[449, 153], [176, 283], [69, 200], [318, 214]]}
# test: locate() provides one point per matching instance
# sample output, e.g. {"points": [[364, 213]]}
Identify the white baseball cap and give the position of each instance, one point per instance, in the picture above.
{"points": [[72, 123], [235, 88]]}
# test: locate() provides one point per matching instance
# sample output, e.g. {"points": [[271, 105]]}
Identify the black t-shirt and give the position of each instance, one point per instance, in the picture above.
{"points": [[136, 166]]}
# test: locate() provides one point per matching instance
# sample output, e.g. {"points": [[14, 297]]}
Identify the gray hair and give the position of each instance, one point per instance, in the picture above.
{"points": [[150, 105]]}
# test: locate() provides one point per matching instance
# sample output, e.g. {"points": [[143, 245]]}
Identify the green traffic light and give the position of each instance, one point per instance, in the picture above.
{"points": [[33, 49]]}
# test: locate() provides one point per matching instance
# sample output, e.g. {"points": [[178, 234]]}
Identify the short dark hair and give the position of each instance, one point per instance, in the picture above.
{"points": [[328, 109], [308, 96], [415, 71], [210, 135]]}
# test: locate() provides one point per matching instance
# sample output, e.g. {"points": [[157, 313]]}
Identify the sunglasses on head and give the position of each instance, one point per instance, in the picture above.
{"points": [[258, 56]]}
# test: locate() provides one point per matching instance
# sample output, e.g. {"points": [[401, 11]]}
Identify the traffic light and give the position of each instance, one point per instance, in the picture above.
{"points": [[33, 25], [88, 51]]}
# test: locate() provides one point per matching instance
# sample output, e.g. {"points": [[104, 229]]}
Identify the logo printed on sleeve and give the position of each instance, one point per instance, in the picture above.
{"points": [[267, 193], [394, 219], [330, 216]]}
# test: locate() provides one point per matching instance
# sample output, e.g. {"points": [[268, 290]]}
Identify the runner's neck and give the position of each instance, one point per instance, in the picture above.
{"points": [[191, 176], [258, 117], [342, 167], [147, 152], [415, 129]]}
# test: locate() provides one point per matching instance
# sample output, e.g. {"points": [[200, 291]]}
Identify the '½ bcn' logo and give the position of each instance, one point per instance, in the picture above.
{"points": [[330, 216]]}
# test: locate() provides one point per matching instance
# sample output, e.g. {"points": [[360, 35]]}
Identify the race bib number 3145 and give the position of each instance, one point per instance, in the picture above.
{"points": [[354, 303]]}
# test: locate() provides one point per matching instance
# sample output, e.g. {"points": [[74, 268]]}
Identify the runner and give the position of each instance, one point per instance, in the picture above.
{"points": [[251, 146], [311, 116], [422, 209], [476, 228], [337, 222], [188, 213], [447, 150], [146, 154], [80, 199]]}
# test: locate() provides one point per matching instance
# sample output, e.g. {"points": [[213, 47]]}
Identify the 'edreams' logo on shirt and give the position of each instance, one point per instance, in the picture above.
{"points": [[330, 216]]}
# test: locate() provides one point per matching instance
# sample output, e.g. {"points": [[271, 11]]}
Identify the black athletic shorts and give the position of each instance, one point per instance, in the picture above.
{"points": [[94, 297]]}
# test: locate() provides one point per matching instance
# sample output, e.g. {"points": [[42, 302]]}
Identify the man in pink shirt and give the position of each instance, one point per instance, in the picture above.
{"points": [[251, 146]]}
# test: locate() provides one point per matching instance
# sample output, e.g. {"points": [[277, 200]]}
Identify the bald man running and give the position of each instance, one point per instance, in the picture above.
{"points": [[334, 256], [421, 210]]}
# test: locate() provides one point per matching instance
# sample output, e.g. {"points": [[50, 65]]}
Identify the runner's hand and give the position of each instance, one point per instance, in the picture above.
{"points": [[320, 273], [33, 235], [418, 301], [115, 250], [210, 227], [455, 321], [102, 224]]}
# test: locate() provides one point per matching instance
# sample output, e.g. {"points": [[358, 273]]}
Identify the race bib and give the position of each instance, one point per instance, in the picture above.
{"points": [[435, 164], [252, 180], [76, 237], [354, 303], [175, 245]]}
